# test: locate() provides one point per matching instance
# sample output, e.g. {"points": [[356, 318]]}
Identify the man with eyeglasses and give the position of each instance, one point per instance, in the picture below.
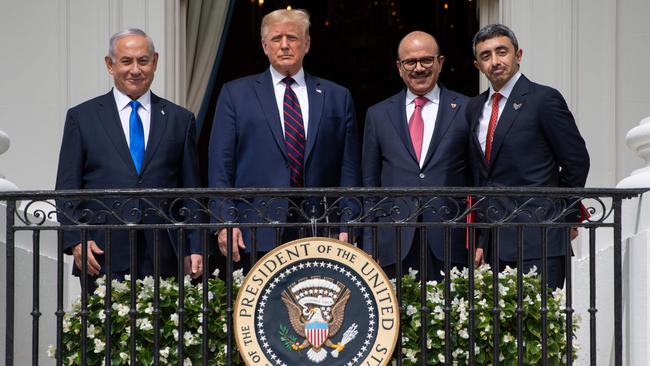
{"points": [[417, 138]]}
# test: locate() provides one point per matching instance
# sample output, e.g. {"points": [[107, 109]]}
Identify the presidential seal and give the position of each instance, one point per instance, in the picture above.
{"points": [[316, 301]]}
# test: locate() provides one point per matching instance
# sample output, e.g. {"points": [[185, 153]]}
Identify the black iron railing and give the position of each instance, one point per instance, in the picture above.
{"points": [[364, 213]]}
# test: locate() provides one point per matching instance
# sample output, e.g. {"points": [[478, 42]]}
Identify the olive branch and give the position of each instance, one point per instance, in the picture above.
{"points": [[286, 338]]}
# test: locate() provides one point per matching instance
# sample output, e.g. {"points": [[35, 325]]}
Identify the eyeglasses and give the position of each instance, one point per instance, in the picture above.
{"points": [[411, 63]]}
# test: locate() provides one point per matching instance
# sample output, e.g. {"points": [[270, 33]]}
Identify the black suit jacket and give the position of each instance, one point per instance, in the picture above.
{"points": [[95, 155], [390, 161], [536, 144]]}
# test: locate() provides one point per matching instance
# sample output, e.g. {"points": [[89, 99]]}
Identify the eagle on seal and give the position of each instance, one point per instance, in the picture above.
{"points": [[316, 318]]}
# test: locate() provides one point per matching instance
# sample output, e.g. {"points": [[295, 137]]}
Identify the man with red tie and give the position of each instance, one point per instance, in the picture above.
{"points": [[417, 138], [281, 128], [522, 134]]}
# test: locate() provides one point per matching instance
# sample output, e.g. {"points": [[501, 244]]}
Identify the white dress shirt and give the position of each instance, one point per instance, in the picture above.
{"points": [[429, 115], [124, 110], [299, 87], [484, 119]]}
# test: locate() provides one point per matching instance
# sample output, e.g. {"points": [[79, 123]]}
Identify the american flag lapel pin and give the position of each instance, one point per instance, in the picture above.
{"points": [[516, 105], [319, 91], [162, 111], [453, 105]]}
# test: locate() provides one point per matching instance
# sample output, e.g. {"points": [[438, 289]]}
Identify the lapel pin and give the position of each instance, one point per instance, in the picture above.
{"points": [[516, 106], [453, 105], [162, 112], [319, 91]]}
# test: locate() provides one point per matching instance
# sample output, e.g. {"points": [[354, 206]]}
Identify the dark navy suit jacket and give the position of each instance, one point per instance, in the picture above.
{"points": [[390, 161], [95, 155], [247, 148], [536, 144]]}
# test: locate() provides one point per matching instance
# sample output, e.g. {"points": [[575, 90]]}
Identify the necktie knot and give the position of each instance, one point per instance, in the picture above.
{"points": [[421, 101], [495, 98], [134, 105], [288, 81]]}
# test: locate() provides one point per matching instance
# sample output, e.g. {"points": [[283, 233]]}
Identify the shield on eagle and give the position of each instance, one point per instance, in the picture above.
{"points": [[316, 332]]}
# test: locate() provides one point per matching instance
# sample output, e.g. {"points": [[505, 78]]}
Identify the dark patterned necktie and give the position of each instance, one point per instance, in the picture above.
{"points": [[294, 134]]}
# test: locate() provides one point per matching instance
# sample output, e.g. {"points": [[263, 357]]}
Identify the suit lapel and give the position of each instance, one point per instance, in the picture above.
{"points": [[158, 124], [266, 98], [475, 115], [447, 109], [514, 105], [316, 97], [110, 121], [397, 117]]}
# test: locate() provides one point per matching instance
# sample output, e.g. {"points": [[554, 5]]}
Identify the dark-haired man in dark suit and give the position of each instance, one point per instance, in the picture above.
{"points": [[522, 135]]}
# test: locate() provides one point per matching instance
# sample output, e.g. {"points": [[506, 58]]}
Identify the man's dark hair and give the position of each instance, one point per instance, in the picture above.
{"points": [[492, 31]]}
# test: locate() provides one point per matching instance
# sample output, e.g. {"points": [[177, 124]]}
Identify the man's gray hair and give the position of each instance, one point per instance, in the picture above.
{"points": [[492, 31], [125, 33]]}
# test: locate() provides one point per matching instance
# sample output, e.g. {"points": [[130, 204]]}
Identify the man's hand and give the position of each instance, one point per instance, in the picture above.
{"points": [[478, 257], [93, 249], [343, 236], [237, 242], [194, 265], [574, 233]]}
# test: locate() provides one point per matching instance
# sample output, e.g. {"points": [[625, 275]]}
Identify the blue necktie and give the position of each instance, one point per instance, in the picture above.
{"points": [[136, 135], [294, 134]]}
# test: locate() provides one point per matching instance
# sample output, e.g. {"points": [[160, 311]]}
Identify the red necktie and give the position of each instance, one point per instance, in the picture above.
{"points": [[492, 126], [416, 126]]}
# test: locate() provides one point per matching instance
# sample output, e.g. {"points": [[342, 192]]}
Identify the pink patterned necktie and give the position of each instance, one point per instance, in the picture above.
{"points": [[416, 126]]}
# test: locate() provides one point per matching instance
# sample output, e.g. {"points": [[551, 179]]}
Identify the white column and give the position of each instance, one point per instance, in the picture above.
{"points": [[5, 185], [636, 246]]}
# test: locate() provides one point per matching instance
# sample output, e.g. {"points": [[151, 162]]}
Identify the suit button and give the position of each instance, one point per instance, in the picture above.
{"points": [[422, 175]]}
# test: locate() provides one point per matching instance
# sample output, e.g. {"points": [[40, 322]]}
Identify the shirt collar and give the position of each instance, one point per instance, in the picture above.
{"points": [[507, 88], [433, 95], [122, 100], [277, 77]]}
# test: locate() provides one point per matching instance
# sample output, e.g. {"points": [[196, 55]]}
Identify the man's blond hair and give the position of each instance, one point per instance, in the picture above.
{"points": [[299, 16]]}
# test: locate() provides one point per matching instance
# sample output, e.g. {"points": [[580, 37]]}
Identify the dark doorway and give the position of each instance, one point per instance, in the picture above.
{"points": [[354, 43]]}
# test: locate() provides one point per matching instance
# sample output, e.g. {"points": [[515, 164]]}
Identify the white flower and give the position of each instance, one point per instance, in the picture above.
{"points": [[51, 351], [175, 334], [101, 315], [144, 324], [174, 319], [441, 357], [124, 356], [187, 362], [238, 277], [91, 331], [225, 328], [413, 273], [99, 345], [188, 338], [410, 310], [164, 353], [463, 333], [441, 334], [100, 291], [216, 273]]}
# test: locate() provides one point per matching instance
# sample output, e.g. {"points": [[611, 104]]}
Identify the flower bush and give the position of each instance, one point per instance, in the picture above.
{"points": [[168, 302], [410, 315], [483, 331]]}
